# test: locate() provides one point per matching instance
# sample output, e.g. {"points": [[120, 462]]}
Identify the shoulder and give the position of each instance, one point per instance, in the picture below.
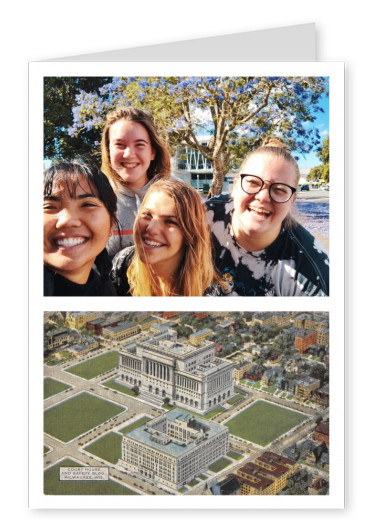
{"points": [[120, 265], [308, 243], [214, 290], [218, 200], [311, 257], [220, 208], [123, 258]]}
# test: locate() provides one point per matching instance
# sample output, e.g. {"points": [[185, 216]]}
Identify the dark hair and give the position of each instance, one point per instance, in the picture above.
{"points": [[69, 172]]}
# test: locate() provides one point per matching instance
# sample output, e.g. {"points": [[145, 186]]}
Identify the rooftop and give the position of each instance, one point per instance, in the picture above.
{"points": [[159, 440]]}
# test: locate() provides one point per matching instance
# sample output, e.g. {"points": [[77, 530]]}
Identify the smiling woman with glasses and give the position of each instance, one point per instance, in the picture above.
{"points": [[260, 249]]}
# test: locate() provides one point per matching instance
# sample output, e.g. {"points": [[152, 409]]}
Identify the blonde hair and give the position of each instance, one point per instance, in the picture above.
{"points": [[196, 272], [276, 148], [159, 168]]}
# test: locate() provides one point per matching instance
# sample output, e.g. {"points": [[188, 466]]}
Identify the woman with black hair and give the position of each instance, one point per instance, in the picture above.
{"points": [[79, 214]]}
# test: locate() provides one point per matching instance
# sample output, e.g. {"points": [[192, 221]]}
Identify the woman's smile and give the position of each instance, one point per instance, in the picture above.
{"points": [[160, 243], [131, 152], [257, 219], [76, 230]]}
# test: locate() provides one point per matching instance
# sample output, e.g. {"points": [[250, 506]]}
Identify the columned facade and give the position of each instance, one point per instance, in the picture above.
{"points": [[166, 368]]}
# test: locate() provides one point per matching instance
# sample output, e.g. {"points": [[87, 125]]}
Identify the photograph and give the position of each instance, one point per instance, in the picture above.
{"points": [[186, 403], [186, 186]]}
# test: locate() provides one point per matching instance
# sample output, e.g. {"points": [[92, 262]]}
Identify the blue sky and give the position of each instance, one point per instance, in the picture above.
{"points": [[322, 123]]}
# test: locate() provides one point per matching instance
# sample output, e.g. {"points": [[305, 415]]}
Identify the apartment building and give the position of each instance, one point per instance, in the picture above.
{"points": [[268, 475], [79, 319], [121, 331]]}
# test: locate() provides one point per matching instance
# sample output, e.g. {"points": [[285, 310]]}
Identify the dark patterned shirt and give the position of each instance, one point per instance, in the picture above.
{"points": [[295, 264]]}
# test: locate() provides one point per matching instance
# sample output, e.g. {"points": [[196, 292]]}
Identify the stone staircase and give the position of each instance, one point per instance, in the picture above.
{"points": [[151, 398]]}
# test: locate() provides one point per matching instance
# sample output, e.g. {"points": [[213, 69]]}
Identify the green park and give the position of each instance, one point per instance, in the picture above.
{"points": [[78, 415], [263, 422], [52, 387], [107, 447], [94, 367]]}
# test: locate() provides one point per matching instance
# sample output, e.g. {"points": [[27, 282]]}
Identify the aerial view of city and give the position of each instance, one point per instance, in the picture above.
{"points": [[186, 403]]}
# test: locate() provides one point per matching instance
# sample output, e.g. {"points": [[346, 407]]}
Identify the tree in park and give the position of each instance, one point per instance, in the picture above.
{"points": [[321, 173], [236, 112]]}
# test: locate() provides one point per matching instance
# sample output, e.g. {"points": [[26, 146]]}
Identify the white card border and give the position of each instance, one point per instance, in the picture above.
{"points": [[334, 304]]}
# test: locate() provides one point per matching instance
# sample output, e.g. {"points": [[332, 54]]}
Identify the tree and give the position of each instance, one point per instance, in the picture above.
{"points": [[321, 173], [236, 112], [59, 98], [136, 390]]}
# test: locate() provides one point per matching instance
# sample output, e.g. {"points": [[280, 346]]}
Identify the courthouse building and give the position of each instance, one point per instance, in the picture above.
{"points": [[173, 448], [188, 375]]}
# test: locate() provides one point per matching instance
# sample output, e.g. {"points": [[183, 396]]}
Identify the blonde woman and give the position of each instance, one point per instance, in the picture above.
{"points": [[172, 253], [134, 156], [260, 250]]}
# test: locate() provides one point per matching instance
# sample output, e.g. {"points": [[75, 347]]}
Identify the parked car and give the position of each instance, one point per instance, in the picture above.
{"points": [[304, 188]]}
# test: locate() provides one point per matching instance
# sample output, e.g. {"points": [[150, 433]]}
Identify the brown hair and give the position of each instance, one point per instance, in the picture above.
{"points": [[196, 272], [159, 167]]}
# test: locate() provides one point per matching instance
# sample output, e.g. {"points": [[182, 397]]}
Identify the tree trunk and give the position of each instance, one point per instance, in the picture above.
{"points": [[220, 167]]}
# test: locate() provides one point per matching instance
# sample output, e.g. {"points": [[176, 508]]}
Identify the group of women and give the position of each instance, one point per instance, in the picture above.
{"points": [[132, 229]]}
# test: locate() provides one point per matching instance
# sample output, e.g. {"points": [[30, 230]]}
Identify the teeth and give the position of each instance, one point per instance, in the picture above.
{"points": [[260, 211], [70, 242], [153, 244], [130, 165]]}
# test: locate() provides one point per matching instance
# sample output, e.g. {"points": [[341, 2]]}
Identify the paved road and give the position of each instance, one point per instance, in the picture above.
{"points": [[316, 196], [135, 408]]}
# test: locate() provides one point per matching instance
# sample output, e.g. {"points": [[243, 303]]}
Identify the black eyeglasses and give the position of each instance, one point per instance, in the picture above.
{"points": [[278, 192]]}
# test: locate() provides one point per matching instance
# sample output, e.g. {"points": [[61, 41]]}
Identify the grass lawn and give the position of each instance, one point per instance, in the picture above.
{"points": [[234, 455], [208, 416], [107, 447], [96, 366], [118, 387], [193, 483], [53, 387], [56, 358], [262, 422], [235, 399], [53, 486], [219, 465], [240, 391], [134, 425], [68, 420]]}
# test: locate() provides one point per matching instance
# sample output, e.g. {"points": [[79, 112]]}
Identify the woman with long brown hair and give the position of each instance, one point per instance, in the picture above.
{"points": [[172, 253], [134, 156]]}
